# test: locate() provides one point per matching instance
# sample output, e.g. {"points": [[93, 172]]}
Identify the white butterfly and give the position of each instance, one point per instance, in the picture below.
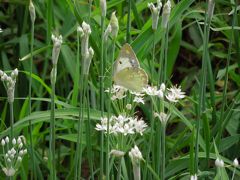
{"points": [[127, 71]]}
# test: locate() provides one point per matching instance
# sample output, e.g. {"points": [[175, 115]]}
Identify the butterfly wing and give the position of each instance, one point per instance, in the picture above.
{"points": [[134, 79], [126, 58]]}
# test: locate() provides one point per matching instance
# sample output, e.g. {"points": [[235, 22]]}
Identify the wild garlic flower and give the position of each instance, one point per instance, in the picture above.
{"points": [[166, 14], [153, 91], [122, 125], [114, 25], [13, 154], [57, 42], [86, 51], [10, 82], [155, 10], [117, 153], [135, 155], [103, 6], [235, 162], [193, 177], [174, 94], [138, 99], [32, 11], [162, 117], [219, 163], [118, 92]]}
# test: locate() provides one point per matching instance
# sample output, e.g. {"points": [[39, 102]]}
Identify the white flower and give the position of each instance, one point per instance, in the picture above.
{"points": [[162, 87], [162, 117], [235, 162], [174, 94], [138, 99], [151, 91], [57, 42], [193, 177], [1, 30], [219, 162], [135, 155], [117, 91], [122, 124], [9, 171]]}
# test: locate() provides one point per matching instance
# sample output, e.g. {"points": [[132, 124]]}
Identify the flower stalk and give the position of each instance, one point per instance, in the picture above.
{"points": [[57, 42], [33, 17]]}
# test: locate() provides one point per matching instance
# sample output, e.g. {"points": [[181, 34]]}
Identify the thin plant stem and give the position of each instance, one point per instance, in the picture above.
{"points": [[88, 134], [161, 59], [233, 173], [85, 84], [109, 111], [163, 151], [30, 105], [128, 35], [224, 96], [201, 104], [165, 55], [52, 130], [119, 169], [102, 96], [11, 120]]}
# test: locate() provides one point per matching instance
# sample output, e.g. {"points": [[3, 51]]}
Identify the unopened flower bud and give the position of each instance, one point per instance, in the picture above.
{"points": [[135, 155], [107, 32], [166, 13], [117, 153], [3, 142], [103, 6], [129, 106], [14, 141], [57, 42], [19, 141], [155, 13], [1, 72], [235, 162], [193, 177], [32, 11], [211, 5], [20, 145], [219, 162], [114, 25], [7, 139], [19, 159]]}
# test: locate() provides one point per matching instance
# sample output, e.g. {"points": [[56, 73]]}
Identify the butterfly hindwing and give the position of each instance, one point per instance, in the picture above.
{"points": [[134, 79]]}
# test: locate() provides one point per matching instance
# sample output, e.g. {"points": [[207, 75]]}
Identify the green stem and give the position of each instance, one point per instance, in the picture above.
{"points": [[85, 84], [129, 22], [163, 151], [30, 105], [89, 133], [119, 169], [52, 128], [201, 104], [102, 96], [11, 120], [233, 173], [161, 59]]}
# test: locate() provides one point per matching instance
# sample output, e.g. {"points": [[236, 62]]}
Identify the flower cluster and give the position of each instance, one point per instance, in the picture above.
{"points": [[13, 154], [173, 94], [166, 13], [118, 92], [10, 83], [122, 125], [135, 155]]}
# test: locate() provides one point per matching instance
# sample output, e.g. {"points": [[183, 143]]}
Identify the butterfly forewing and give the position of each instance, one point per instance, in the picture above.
{"points": [[126, 58]]}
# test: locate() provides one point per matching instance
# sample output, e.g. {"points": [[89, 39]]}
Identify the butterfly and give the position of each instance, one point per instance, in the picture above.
{"points": [[127, 71]]}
